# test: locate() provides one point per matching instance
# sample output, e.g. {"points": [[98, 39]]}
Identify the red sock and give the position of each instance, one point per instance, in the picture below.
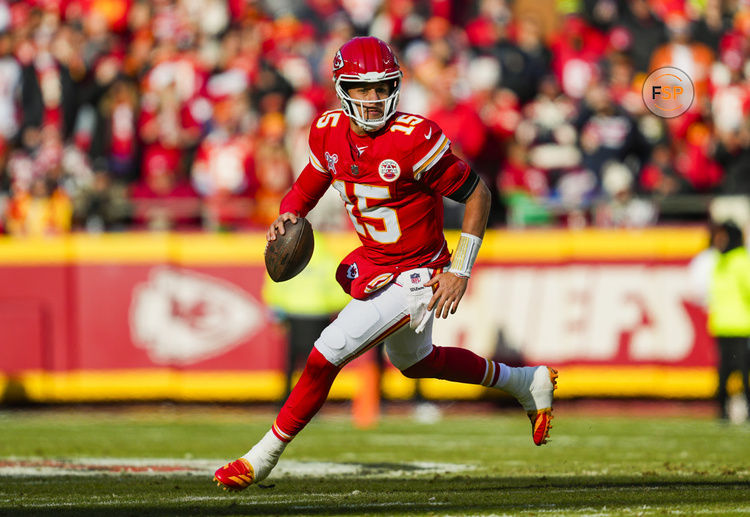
{"points": [[307, 397], [451, 364]]}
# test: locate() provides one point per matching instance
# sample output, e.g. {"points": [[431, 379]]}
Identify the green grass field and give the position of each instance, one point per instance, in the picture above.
{"points": [[484, 464]]}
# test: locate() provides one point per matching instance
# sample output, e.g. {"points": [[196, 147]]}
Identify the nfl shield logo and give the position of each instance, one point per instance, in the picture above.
{"points": [[415, 278]]}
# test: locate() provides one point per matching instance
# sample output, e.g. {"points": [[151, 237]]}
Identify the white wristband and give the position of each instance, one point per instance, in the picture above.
{"points": [[465, 255]]}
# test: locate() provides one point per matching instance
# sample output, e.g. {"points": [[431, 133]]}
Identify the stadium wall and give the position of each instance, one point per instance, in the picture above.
{"points": [[175, 316]]}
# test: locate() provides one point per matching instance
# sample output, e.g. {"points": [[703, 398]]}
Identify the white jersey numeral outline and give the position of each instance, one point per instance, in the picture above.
{"points": [[359, 211], [406, 123], [329, 117]]}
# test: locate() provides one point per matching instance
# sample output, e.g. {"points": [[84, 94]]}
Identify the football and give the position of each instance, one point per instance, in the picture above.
{"points": [[288, 255]]}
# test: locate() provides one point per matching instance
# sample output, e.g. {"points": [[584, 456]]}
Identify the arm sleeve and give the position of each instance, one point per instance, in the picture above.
{"points": [[306, 191]]}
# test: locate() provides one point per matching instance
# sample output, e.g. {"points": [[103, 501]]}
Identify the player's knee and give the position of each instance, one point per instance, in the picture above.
{"points": [[317, 364], [331, 343]]}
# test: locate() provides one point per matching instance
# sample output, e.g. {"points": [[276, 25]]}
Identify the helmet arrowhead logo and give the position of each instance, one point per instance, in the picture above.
{"points": [[338, 61]]}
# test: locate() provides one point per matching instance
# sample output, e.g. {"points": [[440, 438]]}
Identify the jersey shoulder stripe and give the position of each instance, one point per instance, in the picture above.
{"points": [[316, 163], [432, 156]]}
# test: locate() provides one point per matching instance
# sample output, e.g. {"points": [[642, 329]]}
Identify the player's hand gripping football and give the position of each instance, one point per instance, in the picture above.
{"points": [[278, 225], [450, 289]]}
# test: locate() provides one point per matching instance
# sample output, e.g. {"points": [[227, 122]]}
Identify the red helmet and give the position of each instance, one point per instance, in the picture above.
{"points": [[368, 60]]}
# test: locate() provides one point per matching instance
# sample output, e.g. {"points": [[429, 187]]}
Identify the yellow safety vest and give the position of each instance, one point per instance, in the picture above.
{"points": [[314, 292], [729, 294]]}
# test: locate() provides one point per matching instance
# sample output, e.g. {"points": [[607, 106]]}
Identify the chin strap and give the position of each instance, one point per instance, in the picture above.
{"points": [[465, 255]]}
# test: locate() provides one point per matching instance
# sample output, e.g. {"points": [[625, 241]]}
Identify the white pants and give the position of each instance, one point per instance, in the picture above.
{"points": [[362, 324]]}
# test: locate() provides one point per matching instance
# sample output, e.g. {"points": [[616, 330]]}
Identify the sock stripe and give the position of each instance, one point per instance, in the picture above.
{"points": [[489, 373], [496, 376], [281, 435]]}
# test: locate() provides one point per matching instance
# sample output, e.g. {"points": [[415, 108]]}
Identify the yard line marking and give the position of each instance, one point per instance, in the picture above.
{"points": [[34, 466]]}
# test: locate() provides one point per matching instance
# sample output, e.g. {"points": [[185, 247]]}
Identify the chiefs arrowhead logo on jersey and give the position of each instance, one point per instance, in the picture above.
{"points": [[183, 317], [389, 170], [338, 61]]}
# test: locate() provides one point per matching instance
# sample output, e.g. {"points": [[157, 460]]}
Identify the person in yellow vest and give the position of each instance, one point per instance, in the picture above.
{"points": [[729, 307], [306, 304]]}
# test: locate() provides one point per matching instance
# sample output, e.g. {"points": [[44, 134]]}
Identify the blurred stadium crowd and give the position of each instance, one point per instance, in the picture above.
{"points": [[188, 114]]}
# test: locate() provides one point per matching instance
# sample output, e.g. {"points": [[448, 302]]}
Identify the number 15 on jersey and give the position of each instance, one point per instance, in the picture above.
{"points": [[355, 196]]}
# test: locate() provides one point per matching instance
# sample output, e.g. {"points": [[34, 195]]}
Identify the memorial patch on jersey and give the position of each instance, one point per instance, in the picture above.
{"points": [[332, 159], [389, 170]]}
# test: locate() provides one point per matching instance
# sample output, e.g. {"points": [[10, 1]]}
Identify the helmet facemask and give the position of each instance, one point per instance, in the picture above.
{"points": [[356, 109]]}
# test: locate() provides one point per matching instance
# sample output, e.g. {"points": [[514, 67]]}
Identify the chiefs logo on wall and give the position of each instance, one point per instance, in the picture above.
{"points": [[182, 317]]}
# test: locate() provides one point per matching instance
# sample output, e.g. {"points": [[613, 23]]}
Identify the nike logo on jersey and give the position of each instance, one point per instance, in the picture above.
{"points": [[361, 149], [428, 134]]}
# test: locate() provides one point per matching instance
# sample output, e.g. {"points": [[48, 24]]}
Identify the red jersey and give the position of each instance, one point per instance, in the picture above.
{"points": [[392, 182]]}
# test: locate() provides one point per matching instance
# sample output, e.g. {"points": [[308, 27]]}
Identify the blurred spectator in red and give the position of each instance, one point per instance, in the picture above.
{"points": [[456, 116], [223, 172], [730, 103], [517, 48], [576, 52], [162, 198], [693, 159], [172, 112], [734, 47], [321, 13], [622, 85], [683, 52], [398, 22], [659, 177], [524, 189]]}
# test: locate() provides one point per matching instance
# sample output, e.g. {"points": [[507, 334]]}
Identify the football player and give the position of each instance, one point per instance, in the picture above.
{"points": [[392, 170]]}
